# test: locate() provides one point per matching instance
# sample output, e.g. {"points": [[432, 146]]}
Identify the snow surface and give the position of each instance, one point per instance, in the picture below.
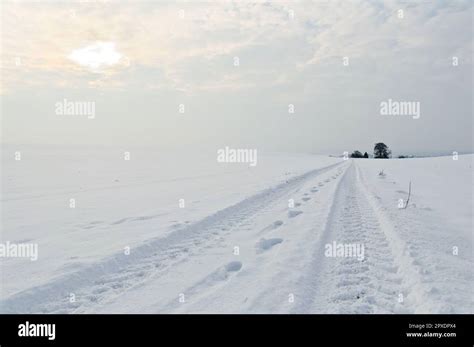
{"points": [[237, 246]]}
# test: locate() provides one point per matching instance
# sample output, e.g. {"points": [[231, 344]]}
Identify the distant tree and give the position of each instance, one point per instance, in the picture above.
{"points": [[381, 151], [366, 155], [356, 154]]}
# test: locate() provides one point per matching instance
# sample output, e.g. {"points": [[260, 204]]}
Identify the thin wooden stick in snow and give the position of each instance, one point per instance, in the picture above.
{"points": [[409, 193]]}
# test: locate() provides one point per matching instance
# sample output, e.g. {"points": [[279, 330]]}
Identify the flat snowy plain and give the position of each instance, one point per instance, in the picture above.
{"points": [[242, 239]]}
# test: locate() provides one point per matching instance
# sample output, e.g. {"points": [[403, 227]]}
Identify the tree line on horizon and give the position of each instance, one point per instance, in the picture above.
{"points": [[381, 151]]}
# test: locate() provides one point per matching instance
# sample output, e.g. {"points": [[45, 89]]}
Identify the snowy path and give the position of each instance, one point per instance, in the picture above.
{"points": [[258, 256], [161, 258], [349, 284]]}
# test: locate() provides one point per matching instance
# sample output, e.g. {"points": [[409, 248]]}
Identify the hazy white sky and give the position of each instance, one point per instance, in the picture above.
{"points": [[139, 60]]}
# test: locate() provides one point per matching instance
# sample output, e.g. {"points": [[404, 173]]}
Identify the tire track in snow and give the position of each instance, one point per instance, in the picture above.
{"points": [[361, 285], [347, 284], [420, 298]]}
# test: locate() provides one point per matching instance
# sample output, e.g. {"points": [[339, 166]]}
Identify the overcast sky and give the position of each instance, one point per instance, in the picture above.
{"points": [[139, 60]]}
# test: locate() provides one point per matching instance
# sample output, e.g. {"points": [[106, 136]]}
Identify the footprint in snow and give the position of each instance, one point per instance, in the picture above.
{"points": [[222, 273], [292, 213], [233, 266], [266, 244], [277, 223]]}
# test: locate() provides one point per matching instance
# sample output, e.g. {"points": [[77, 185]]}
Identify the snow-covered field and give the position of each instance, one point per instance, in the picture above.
{"points": [[242, 239]]}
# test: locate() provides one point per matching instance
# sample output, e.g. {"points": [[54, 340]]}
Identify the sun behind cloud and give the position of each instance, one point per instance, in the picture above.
{"points": [[96, 56]]}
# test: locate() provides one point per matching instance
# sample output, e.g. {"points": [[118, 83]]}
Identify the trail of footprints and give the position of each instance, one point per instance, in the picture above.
{"points": [[266, 244], [226, 272]]}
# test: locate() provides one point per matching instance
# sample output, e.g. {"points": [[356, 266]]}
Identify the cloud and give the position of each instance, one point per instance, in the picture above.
{"points": [[288, 52], [184, 40]]}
